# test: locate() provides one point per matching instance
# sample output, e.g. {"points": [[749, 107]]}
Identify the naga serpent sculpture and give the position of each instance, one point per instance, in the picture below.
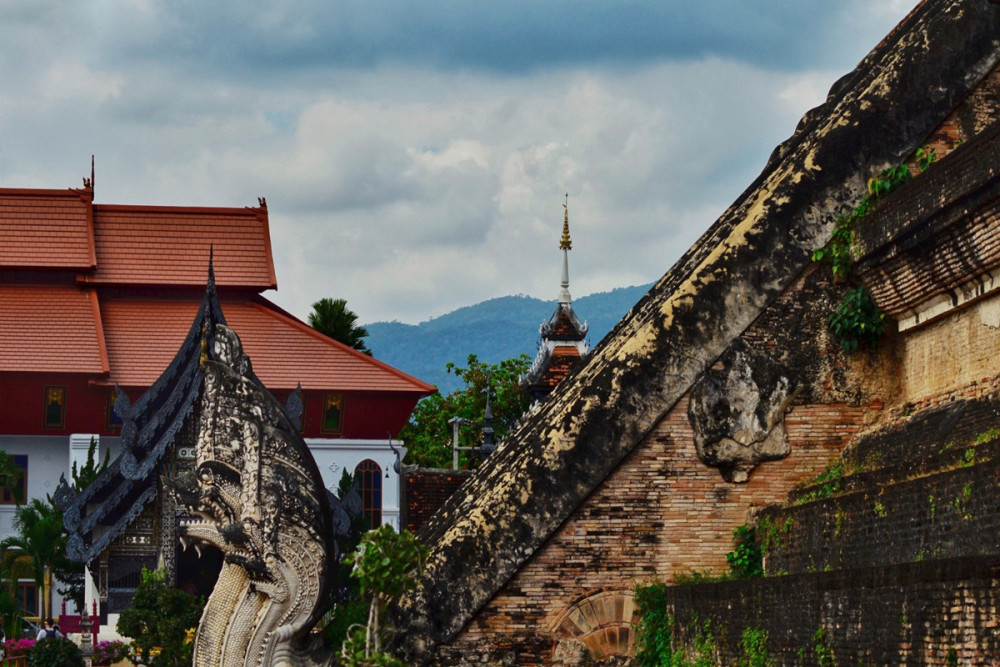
{"points": [[256, 495]]}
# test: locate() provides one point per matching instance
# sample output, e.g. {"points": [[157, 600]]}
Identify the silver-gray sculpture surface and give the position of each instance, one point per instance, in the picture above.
{"points": [[253, 492], [257, 496]]}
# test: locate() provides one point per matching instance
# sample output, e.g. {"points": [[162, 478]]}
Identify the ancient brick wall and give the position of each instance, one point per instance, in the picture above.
{"points": [[958, 351], [660, 514], [978, 110], [949, 514], [664, 513], [914, 613], [425, 490]]}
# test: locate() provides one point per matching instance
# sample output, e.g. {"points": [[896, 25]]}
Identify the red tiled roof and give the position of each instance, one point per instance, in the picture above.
{"points": [[46, 229], [143, 336], [168, 245], [50, 328]]}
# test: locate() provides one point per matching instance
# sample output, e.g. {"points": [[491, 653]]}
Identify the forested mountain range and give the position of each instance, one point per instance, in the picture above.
{"points": [[493, 330]]}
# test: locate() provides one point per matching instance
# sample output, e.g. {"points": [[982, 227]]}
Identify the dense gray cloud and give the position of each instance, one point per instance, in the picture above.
{"points": [[516, 36], [415, 156]]}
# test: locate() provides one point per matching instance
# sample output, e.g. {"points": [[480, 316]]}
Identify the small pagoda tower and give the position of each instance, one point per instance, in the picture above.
{"points": [[563, 344]]}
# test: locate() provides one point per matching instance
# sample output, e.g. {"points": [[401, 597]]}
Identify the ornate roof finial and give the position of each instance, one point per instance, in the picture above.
{"points": [[262, 202], [565, 243]]}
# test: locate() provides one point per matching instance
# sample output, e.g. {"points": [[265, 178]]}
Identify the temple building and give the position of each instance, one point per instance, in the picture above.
{"points": [[96, 300], [736, 398], [563, 344]]}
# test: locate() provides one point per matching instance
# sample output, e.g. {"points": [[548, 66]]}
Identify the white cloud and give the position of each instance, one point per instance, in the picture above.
{"points": [[408, 190]]}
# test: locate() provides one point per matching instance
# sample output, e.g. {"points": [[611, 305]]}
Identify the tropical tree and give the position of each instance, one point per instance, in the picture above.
{"points": [[11, 569], [41, 540], [386, 564], [333, 318], [428, 434]]}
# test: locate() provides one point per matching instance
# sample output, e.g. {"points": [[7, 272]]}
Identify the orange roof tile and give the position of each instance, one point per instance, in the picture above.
{"points": [[50, 328], [169, 245], [143, 336], [49, 229]]}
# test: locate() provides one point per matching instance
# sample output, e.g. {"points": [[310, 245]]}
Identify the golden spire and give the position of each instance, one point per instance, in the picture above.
{"points": [[565, 243]]}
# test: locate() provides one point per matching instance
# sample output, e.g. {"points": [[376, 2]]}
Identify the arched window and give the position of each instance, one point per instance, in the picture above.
{"points": [[369, 476]]}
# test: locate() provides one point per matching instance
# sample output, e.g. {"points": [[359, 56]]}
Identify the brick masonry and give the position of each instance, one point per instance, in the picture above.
{"points": [[426, 490], [660, 514], [910, 614]]}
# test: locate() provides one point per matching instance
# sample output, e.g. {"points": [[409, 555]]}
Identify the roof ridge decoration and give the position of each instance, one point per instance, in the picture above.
{"points": [[552, 462]]}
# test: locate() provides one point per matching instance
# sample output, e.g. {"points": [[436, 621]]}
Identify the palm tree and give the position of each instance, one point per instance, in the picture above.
{"points": [[11, 569], [332, 318], [41, 539]]}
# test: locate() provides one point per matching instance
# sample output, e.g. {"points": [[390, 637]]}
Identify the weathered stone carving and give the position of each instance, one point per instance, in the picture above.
{"points": [[258, 497], [737, 412]]}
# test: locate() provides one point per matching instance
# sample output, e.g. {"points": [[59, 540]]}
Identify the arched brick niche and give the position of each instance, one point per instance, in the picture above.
{"points": [[601, 623]]}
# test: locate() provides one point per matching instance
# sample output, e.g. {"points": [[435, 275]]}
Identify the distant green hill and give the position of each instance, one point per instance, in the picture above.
{"points": [[493, 330]]}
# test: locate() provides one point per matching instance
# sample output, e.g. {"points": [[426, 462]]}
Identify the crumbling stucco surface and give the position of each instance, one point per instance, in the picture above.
{"points": [[738, 412], [873, 118]]}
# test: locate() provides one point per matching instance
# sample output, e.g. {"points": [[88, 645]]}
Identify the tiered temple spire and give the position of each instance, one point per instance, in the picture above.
{"points": [[563, 338]]}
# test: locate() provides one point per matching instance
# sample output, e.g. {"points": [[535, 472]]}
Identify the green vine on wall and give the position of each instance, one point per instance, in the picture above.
{"points": [[858, 320], [746, 560], [656, 642]]}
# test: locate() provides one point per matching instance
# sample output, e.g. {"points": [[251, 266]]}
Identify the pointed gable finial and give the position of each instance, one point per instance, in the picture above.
{"points": [[211, 268], [565, 243]]}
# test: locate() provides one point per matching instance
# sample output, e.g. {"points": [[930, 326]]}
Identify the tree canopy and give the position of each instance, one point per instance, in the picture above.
{"points": [[428, 434], [333, 318]]}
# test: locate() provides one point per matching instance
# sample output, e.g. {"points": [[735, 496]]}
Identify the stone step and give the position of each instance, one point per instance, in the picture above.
{"points": [[954, 512]]}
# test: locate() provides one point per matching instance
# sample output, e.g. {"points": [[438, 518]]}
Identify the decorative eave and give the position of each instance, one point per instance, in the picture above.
{"points": [[934, 245], [873, 118], [120, 492]]}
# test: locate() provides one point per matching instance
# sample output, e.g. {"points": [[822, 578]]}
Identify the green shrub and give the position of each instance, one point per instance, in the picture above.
{"points": [[160, 617], [655, 632], [55, 652]]}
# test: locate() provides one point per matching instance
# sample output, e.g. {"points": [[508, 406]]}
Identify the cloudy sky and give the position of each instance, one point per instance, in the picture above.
{"points": [[415, 155]]}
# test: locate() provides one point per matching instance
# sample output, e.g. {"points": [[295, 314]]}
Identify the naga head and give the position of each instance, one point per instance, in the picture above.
{"points": [[256, 495]]}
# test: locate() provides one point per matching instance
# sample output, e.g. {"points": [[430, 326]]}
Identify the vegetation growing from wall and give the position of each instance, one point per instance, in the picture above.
{"points": [[657, 643], [753, 649], [827, 483], [857, 320], [747, 558]]}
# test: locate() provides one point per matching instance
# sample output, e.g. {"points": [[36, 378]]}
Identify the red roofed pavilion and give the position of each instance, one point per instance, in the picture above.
{"points": [[97, 296]]}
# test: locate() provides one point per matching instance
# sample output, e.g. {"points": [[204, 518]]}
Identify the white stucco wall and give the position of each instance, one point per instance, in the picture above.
{"points": [[333, 456]]}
